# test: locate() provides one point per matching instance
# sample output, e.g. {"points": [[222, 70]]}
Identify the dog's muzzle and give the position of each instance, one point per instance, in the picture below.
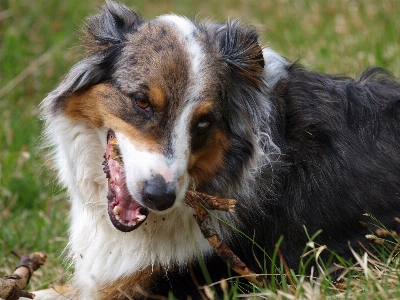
{"points": [[156, 193]]}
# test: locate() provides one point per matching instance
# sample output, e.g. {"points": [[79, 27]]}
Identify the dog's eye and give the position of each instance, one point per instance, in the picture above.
{"points": [[142, 103], [203, 124]]}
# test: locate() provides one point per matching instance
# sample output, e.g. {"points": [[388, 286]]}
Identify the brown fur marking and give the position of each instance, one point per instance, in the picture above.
{"points": [[157, 97], [205, 163], [203, 109], [99, 107], [85, 106], [133, 285]]}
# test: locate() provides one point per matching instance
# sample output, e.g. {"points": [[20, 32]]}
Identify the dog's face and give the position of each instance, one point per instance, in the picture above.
{"points": [[177, 97]]}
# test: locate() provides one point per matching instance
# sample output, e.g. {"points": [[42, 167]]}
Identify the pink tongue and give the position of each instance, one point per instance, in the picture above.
{"points": [[123, 208], [129, 215]]}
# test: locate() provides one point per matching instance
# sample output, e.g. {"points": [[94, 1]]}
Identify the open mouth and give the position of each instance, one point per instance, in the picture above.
{"points": [[125, 213]]}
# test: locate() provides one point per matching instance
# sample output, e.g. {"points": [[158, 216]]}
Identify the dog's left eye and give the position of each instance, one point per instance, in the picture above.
{"points": [[203, 124]]}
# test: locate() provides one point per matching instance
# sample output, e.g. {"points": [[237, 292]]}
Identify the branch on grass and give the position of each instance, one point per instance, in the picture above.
{"points": [[12, 286], [200, 203]]}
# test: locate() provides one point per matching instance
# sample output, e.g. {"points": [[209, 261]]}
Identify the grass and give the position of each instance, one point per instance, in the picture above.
{"points": [[374, 275], [39, 43]]}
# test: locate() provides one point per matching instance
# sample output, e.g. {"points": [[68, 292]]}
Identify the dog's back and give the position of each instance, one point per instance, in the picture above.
{"points": [[339, 166]]}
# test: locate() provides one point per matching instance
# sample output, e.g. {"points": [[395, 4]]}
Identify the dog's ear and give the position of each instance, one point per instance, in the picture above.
{"points": [[240, 48], [110, 27], [104, 38]]}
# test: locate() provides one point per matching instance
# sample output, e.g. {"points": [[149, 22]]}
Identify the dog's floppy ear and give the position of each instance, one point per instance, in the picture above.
{"points": [[240, 48], [110, 27], [105, 38]]}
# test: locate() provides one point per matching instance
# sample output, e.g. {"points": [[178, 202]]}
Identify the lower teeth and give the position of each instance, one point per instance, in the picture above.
{"points": [[126, 223], [141, 218], [117, 209]]}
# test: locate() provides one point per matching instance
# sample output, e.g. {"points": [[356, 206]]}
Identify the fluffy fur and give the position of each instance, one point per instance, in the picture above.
{"points": [[294, 147]]}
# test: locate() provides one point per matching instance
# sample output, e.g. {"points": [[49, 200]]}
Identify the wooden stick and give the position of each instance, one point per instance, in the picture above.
{"points": [[11, 287], [212, 202], [200, 203]]}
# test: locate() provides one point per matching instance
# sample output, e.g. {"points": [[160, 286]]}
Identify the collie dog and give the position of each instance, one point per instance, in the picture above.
{"points": [[299, 150]]}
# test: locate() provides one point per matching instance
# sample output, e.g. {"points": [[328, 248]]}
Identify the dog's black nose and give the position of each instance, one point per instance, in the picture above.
{"points": [[157, 194]]}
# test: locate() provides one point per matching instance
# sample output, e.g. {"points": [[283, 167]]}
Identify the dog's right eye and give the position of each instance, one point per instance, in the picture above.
{"points": [[143, 103]]}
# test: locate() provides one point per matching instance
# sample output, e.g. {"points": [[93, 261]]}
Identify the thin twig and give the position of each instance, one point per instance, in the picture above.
{"points": [[11, 287], [200, 202]]}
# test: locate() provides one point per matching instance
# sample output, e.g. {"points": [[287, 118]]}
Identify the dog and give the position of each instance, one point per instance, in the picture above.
{"points": [[300, 151]]}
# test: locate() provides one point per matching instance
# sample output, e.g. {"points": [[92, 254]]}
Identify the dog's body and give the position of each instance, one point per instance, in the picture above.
{"points": [[203, 100]]}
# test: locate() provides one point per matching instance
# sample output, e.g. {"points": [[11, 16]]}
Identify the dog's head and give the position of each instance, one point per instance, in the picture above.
{"points": [[181, 98]]}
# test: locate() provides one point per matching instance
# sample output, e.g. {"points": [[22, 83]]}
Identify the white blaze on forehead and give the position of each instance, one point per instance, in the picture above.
{"points": [[191, 39], [181, 138], [181, 149], [189, 33]]}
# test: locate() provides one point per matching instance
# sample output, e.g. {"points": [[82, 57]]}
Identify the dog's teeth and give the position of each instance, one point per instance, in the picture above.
{"points": [[117, 210], [141, 218]]}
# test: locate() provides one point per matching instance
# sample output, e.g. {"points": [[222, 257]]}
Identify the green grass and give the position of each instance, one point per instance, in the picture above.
{"points": [[39, 43]]}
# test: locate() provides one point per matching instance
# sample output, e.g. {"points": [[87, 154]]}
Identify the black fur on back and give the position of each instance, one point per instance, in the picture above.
{"points": [[340, 159]]}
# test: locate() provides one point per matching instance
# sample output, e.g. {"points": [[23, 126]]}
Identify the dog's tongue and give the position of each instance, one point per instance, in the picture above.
{"points": [[124, 212]]}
